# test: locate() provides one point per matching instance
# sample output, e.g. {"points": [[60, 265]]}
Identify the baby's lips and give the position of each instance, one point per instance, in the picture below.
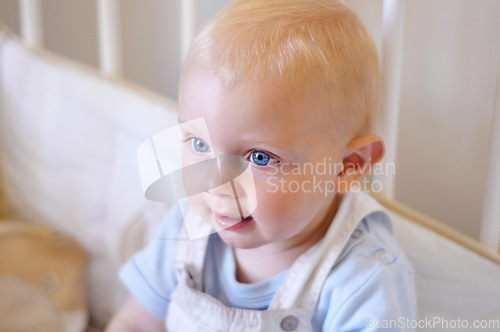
{"points": [[231, 215]]}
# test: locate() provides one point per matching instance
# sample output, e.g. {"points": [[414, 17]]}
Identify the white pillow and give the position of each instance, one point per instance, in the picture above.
{"points": [[68, 141]]}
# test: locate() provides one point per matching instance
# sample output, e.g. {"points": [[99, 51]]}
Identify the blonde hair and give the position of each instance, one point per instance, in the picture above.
{"points": [[293, 44]]}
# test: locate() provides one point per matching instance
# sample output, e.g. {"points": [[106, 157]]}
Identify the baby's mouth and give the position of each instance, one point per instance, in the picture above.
{"points": [[231, 222]]}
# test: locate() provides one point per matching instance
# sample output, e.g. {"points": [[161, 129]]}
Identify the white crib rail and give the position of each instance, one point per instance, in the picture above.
{"points": [[31, 22], [190, 23], [490, 227], [392, 53], [109, 32]]}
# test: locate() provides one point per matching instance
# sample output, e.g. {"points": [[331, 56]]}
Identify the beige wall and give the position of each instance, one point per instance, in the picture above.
{"points": [[451, 54], [450, 59]]}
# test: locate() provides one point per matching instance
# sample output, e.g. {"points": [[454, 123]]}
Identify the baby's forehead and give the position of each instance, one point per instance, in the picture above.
{"points": [[291, 114], [270, 101]]}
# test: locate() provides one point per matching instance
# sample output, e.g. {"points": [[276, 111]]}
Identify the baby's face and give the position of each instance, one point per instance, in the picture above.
{"points": [[294, 158]]}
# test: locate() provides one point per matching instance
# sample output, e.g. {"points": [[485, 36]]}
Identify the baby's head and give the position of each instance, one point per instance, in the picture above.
{"points": [[292, 46], [290, 85]]}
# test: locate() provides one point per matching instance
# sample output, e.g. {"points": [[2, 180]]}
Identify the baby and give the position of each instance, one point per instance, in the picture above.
{"points": [[292, 87]]}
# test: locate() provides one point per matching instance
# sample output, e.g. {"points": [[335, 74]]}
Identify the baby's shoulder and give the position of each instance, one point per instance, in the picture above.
{"points": [[371, 275], [371, 251], [162, 245]]}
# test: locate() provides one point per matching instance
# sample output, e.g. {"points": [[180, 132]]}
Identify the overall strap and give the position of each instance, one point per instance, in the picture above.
{"points": [[190, 253], [304, 281]]}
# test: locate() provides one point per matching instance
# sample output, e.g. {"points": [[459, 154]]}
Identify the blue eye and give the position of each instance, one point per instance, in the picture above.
{"points": [[199, 145], [260, 158]]}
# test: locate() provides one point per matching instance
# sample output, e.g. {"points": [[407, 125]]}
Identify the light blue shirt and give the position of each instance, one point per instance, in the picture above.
{"points": [[371, 285]]}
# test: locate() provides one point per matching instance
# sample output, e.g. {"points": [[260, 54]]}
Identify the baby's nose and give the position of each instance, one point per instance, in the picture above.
{"points": [[229, 167], [225, 190], [215, 176]]}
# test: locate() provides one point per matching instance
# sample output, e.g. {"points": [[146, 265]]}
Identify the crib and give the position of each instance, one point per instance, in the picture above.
{"points": [[79, 185]]}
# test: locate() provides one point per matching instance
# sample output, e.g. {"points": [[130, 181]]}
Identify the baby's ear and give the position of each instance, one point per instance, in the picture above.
{"points": [[361, 154]]}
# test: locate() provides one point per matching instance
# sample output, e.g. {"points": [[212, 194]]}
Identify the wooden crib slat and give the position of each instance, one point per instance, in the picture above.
{"points": [[392, 52], [490, 227], [31, 22], [109, 35]]}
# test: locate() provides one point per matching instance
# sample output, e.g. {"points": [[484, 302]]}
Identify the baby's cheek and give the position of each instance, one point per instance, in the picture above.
{"points": [[276, 197], [269, 197]]}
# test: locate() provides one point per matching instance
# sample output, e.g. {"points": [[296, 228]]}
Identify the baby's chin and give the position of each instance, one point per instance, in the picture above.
{"points": [[236, 243], [240, 239]]}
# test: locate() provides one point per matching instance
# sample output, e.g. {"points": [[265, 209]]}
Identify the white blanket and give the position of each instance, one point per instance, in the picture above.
{"points": [[454, 285]]}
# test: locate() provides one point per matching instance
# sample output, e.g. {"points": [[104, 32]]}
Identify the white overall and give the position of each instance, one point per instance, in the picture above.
{"points": [[293, 304]]}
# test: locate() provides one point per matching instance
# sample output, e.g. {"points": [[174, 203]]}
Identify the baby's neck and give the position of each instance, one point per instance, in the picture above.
{"points": [[254, 265]]}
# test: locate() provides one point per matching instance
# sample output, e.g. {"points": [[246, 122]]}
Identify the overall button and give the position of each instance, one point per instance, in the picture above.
{"points": [[357, 233], [381, 256], [289, 323]]}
